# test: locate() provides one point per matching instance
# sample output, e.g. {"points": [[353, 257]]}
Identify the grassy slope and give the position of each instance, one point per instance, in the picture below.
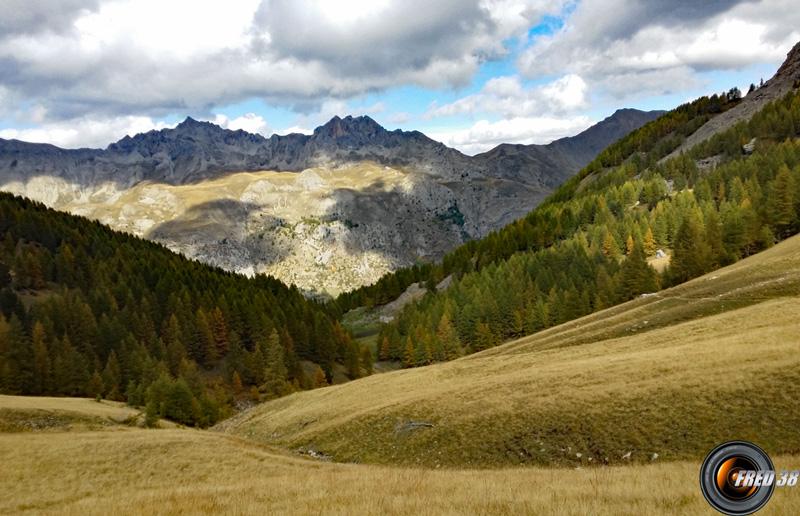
{"points": [[671, 374], [191, 472], [28, 413]]}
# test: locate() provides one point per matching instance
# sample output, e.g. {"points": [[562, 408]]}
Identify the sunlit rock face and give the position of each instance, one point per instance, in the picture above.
{"points": [[327, 212]]}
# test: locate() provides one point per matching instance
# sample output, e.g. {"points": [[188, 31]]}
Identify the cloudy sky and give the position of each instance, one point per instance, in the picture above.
{"points": [[471, 73]]}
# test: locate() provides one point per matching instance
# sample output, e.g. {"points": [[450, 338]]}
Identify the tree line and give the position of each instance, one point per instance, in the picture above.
{"points": [[640, 149], [88, 311], [588, 248]]}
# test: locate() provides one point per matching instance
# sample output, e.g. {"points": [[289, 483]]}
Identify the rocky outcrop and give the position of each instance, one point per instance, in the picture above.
{"points": [[328, 212], [785, 80]]}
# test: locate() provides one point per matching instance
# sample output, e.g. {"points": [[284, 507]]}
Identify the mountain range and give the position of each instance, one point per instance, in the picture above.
{"points": [[327, 212]]}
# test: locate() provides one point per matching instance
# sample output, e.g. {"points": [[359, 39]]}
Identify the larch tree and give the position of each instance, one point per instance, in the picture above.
{"points": [[275, 372], [781, 203], [649, 243]]}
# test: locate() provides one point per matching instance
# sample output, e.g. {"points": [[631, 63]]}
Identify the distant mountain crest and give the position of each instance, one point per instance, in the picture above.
{"points": [[195, 150], [379, 199]]}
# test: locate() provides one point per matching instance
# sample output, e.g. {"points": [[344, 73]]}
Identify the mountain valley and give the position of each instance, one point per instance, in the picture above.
{"points": [[328, 212]]}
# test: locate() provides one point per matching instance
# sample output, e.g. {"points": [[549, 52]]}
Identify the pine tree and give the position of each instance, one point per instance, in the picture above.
{"points": [[484, 338], [447, 336], [606, 294], [691, 253], [320, 380], [366, 361], [275, 372], [204, 349], [236, 383], [384, 353], [650, 246], [151, 414], [41, 360], [629, 245], [5, 348], [5, 275], [256, 396], [179, 402], [219, 329], [351, 361], [112, 377], [133, 394], [19, 358], [781, 203], [94, 387], [610, 245], [713, 238], [637, 276], [410, 355]]}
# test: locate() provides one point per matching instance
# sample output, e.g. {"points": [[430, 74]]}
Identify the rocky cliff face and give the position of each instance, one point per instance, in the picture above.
{"points": [[785, 79], [328, 212]]}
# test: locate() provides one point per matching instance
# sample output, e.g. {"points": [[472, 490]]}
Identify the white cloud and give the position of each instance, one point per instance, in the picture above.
{"points": [[506, 96], [566, 93], [250, 122], [182, 29], [86, 72], [484, 135], [295, 129], [639, 47], [85, 132], [149, 57]]}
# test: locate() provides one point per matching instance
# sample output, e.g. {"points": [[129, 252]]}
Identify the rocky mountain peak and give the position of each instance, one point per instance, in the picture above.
{"points": [[190, 124], [359, 128], [790, 69]]}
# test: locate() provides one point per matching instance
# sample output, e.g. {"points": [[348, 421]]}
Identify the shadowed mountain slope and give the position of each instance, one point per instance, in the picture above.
{"points": [[327, 212]]}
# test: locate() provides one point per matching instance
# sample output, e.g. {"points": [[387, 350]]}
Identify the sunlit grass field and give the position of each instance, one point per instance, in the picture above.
{"points": [[611, 414], [40, 413], [189, 472], [665, 377]]}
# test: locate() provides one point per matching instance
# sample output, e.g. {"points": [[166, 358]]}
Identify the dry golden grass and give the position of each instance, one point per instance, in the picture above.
{"points": [[191, 472], [111, 409], [659, 264], [25, 413], [671, 374]]}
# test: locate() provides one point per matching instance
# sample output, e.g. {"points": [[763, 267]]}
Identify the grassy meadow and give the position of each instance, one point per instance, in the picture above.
{"points": [[610, 414], [42, 413], [665, 376], [198, 472]]}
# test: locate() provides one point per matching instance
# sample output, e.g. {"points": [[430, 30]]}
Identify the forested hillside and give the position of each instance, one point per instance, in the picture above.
{"points": [[642, 148], [87, 311], [588, 246]]}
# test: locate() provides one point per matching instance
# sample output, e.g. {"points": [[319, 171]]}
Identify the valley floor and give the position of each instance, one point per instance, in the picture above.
{"points": [[645, 388], [188, 472]]}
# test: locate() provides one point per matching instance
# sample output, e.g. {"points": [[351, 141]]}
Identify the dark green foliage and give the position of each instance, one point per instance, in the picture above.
{"points": [[541, 228], [275, 371], [151, 414], [5, 275], [126, 319], [584, 248], [692, 254], [782, 203], [637, 277]]}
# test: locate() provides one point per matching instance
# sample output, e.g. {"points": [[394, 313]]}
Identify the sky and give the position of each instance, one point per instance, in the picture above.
{"points": [[469, 73]]}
